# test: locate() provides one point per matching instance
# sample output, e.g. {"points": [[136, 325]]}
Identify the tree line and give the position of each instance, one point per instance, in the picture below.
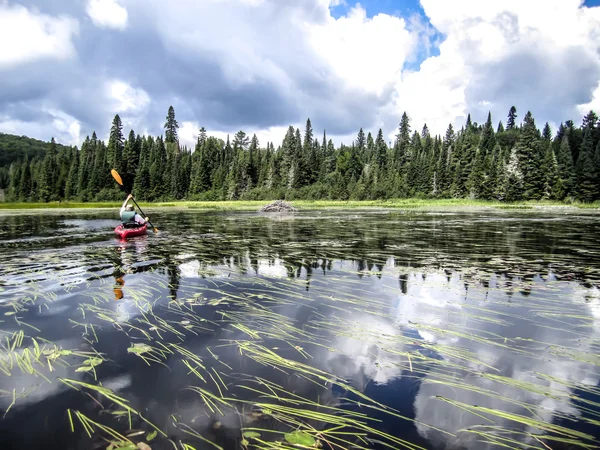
{"points": [[509, 162]]}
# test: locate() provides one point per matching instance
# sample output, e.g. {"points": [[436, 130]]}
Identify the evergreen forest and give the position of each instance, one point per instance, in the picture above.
{"points": [[507, 161]]}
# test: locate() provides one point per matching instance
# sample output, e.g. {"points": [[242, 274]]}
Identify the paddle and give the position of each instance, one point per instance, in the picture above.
{"points": [[118, 179]]}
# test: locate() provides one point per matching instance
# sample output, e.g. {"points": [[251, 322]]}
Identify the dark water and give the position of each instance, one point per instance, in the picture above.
{"points": [[457, 330]]}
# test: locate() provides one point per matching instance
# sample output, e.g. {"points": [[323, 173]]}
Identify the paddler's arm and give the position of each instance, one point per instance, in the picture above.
{"points": [[141, 220], [124, 204]]}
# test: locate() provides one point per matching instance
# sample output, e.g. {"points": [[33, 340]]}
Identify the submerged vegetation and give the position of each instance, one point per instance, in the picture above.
{"points": [[383, 330], [508, 162]]}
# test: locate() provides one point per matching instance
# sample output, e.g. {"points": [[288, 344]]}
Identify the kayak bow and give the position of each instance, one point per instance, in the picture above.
{"points": [[125, 233]]}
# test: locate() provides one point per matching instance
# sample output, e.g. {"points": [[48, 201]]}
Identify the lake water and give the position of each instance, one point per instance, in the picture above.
{"points": [[379, 329]]}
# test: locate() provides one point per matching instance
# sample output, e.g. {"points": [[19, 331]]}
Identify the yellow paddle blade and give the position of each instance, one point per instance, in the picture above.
{"points": [[116, 176]]}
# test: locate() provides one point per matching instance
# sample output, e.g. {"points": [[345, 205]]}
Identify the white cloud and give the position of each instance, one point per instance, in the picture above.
{"points": [[107, 14], [125, 98], [489, 43], [65, 128], [188, 134], [345, 73], [358, 49], [131, 103], [68, 126], [334, 68], [593, 105], [27, 35], [434, 95]]}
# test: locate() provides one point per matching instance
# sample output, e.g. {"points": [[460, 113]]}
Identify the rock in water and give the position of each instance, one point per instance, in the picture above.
{"points": [[278, 206]]}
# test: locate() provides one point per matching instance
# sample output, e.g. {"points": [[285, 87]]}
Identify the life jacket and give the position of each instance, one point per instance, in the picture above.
{"points": [[128, 219]]}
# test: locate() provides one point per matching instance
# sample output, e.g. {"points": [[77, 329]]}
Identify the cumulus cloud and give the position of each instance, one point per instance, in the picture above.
{"points": [[107, 14], [29, 35], [260, 65], [65, 128], [345, 41], [496, 55], [126, 98], [594, 104]]}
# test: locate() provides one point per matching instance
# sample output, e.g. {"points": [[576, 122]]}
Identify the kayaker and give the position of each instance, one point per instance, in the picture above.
{"points": [[129, 218]]}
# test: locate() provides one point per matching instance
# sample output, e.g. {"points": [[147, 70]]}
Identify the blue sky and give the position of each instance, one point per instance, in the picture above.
{"points": [[373, 7]]}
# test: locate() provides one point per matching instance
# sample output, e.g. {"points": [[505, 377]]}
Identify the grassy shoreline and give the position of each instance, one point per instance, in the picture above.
{"points": [[242, 205]]}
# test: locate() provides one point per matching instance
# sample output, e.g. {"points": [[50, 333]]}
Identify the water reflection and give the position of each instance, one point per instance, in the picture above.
{"points": [[442, 330], [130, 260]]}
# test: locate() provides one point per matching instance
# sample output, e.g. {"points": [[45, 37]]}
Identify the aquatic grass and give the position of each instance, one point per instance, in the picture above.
{"points": [[211, 400], [111, 396], [479, 411], [148, 353], [90, 427], [189, 430], [34, 359], [267, 357], [297, 417]]}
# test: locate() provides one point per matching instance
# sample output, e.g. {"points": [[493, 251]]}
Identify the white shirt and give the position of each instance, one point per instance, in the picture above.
{"points": [[139, 219]]}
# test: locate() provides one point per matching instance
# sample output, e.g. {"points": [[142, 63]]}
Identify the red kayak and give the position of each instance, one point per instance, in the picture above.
{"points": [[125, 233]]}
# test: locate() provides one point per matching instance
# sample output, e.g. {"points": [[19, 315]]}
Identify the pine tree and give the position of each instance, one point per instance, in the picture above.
{"points": [[514, 178], [241, 140], [589, 121], [547, 133], [512, 115], [553, 186], [133, 148], [115, 145], [586, 169], [202, 136], [141, 185], [25, 181], [575, 136], [47, 190], [402, 143], [101, 177], [307, 157], [476, 176], [289, 163], [361, 142], [488, 139], [299, 174], [71, 186], [253, 163], [171, 126], [381, 150], [158, 166], [530, 152], [86, 164], [370, 150], [566, 168]]}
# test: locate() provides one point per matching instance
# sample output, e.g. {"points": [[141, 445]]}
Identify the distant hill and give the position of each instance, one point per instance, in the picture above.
{"points": [[13, 148]]}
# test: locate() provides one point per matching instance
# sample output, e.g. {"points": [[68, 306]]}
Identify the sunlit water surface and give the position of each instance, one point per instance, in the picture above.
{"points": [[381, 329]]}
